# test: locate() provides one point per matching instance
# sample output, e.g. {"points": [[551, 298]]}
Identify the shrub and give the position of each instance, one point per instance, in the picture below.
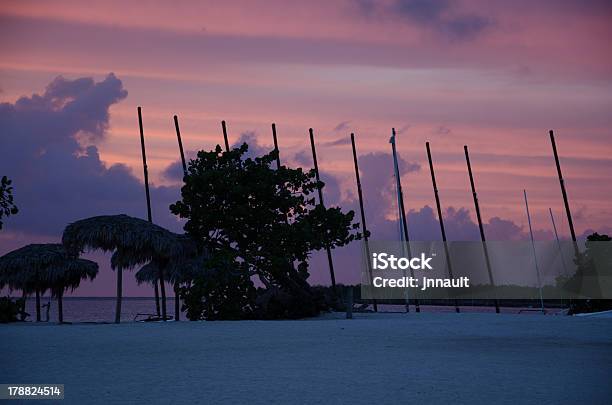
{"points": [[12, 311]]}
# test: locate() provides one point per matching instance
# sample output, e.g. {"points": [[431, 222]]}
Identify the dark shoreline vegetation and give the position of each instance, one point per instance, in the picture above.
{"points": [[254, 222], [250, 230]]}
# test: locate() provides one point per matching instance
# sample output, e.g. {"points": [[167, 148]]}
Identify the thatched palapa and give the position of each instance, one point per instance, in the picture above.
{"points": [[111, 232], [134, 241], [36, 268]]}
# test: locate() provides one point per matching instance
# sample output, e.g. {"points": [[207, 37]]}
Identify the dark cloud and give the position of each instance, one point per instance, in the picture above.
{"points": [[442, 130], [377, 180], [48, 150], [344, 125], [345, 140], [503, 229], [465, 27], [437, 15], [425, 11], [255, 149], [174, 171], [303, 158]]}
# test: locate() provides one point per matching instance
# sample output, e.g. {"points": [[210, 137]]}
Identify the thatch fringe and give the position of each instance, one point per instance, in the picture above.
{"points": [[44, 266], [135, 240]]}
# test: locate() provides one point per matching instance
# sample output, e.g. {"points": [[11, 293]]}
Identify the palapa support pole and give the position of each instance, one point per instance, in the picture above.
{"points": [[441, 220], [402, 211], [149, 217], [177, 301], [225, 139], [535, 256], [119, 272], [480, 227], [157, 306], [364, 227], [330, 261], [24, 297], [564, 192], [278, 162], [37, 305], [60, 305]]}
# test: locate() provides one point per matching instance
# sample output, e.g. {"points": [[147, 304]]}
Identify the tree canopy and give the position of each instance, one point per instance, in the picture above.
{"points": [[263, 221], [7, 204]]}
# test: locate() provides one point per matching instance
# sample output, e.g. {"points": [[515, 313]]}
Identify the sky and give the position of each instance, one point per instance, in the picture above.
{"points": [[493, 75]]}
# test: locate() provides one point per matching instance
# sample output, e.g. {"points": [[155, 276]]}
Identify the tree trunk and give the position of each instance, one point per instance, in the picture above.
{"points": [[157, 310], [37, 305], [60, 305], [177, 303], [119, 292], [163, 291], [24, 298]]}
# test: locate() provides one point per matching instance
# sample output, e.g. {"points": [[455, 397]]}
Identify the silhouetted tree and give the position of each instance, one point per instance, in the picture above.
{"points": [[7, 205], [594, 270], [258, 222]]}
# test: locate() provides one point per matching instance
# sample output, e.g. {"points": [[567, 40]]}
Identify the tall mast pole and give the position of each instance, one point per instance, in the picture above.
{"points": [[364, 227], [225, 136], [149, 216], [177, 304], [180, 144], [564, 192], [535, 256], [441, 220], [144, 165], [278, 162], [480, 227], [402, 211], [322, 204]]}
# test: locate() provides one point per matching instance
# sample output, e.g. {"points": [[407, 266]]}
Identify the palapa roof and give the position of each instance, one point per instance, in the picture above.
{"points": [[135, 240], [70, 273], [44, 266]]}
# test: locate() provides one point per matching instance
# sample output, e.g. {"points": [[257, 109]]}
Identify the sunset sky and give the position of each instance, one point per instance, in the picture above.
{"points": [[494, 75]]}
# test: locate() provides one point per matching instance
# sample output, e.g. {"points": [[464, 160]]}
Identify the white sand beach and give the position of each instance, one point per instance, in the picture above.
{"points": [[374, 358]]}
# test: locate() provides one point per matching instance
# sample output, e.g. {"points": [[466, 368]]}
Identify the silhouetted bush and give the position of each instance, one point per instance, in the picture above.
{"points": [[256, 222], [12, 311]]}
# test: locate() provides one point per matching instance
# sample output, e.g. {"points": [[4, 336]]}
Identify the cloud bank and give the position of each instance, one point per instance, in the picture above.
{"points": [[48, 149]]}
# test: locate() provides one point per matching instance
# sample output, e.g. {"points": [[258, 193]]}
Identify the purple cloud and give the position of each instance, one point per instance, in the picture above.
{"points": [[47, 148], [440, 16], [345, 140], [344, 125]]}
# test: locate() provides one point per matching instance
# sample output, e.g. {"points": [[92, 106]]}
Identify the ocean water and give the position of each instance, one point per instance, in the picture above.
{"points": [[98, 309], [102, 309]]}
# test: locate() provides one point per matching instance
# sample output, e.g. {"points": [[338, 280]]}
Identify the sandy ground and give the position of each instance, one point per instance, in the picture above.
{"points": [[374, 358]]}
